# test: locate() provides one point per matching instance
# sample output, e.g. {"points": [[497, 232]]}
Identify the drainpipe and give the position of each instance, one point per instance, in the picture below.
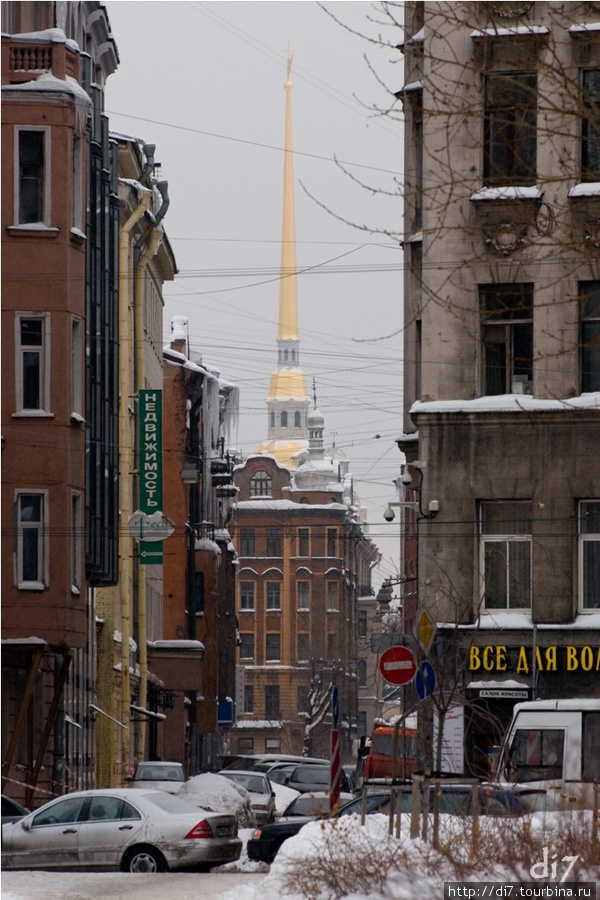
{"points": [[152, 245], [126, 442]]}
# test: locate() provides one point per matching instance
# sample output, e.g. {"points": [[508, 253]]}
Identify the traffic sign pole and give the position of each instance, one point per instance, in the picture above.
{"points": [[335, 776]]}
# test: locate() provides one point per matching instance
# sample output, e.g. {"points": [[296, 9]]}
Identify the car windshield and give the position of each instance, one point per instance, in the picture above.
{"points": [[159, 773], [308, 806], [311, 775], [251, 782]]}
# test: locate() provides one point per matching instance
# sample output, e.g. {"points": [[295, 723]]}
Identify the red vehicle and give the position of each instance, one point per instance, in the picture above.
{"points": [[392, 754]]}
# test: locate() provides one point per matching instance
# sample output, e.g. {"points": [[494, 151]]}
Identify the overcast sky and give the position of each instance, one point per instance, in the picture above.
{"points": [[204, 82]]}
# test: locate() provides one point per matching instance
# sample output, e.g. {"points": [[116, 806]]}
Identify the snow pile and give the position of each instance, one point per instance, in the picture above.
{"points": [[283, 796], [215, 793], [342, 860]]}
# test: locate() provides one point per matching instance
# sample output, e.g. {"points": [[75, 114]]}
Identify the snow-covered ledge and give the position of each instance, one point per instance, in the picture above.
{"points": [[511, 403]]}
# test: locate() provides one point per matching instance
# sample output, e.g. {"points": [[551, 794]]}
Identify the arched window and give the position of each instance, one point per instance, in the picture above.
{"points": [[297, 419], [284, 418], [272, 420], [261, 485]]}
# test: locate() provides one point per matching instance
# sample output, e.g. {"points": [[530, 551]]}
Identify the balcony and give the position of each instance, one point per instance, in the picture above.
{"points": [[25, 57]]}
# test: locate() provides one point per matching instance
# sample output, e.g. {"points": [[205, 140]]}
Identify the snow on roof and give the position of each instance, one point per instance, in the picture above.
{"points": [[275, 505], [506, 403], [507, 193], [177, 645]]}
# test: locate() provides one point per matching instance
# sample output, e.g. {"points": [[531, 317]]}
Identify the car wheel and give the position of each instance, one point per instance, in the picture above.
{"points": [[143, 860]]}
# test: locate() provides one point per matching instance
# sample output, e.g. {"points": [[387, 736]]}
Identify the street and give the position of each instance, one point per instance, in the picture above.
{"points": [[116, 886]]}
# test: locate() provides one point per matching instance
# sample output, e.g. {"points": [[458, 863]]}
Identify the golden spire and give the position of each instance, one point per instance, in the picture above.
{"points": [[288, 299]]}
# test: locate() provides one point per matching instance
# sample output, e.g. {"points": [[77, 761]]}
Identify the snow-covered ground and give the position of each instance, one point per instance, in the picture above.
{"points": [[344, 859]]}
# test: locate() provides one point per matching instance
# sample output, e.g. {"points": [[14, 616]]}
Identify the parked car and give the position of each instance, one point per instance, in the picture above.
{"points": [[262, 795], [11, 810], [315, 778], [158, 776], [266, 841], [141, 831]]}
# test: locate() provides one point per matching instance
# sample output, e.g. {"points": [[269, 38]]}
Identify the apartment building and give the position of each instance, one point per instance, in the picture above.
{"points": [[502, 348]]}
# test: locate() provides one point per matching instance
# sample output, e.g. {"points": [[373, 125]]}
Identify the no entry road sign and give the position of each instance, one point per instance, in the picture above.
{"points": [[398, 665]]}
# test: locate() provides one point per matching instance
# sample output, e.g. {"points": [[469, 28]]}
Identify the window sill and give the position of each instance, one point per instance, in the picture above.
{"points": [[32, 414], [31, 586], [247, 611], [506, 194], [332, 610], [77, 419], [585, 190], [303, 610], [273, 610], [34, 229], [77, 236], [75, 591]]}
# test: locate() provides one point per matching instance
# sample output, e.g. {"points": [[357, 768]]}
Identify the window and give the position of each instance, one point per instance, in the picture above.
{"points": [[64, 813], [361, 723], [77, 378], [362, 623], [273, 651], [272, 745], [507, 332], [331, 645], [589, 305], [361, 672], [589, 554], [272, 707], [77, 185], [303, 647], [510, 129], [31, 198], [332, 542], [273, 595], [198, 594], [303, 594], [245, 746], [590, 126], [261, 485], [272, 420], [332, 595], [246, 595], [284, 419], [31, 541], [302, 698], [76, 542], [297, 420], [537, 754], [32, 381], [249, 699], [303, 541], [590, 763], [246, 646], [273, 542], [506, 554], [247, 542]]}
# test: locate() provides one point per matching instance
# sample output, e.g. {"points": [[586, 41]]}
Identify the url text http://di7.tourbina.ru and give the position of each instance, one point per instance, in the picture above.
{"points": [[518, 890]]}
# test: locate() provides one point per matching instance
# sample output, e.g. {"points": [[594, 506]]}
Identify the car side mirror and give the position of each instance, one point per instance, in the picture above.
{"points": [[128, 778], [25, 824]]}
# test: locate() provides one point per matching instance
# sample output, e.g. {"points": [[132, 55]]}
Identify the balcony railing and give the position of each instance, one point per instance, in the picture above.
{"points": [[25, 59]]}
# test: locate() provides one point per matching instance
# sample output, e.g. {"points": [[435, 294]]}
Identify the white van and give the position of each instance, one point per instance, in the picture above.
{"points": [[554, 745]]}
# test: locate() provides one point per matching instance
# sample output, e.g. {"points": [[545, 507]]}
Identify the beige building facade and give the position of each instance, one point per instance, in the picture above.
{"points": [[502, 348]]}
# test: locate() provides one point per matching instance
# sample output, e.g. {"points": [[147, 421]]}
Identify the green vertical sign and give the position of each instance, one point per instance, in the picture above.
{"points": [[150, 467]]}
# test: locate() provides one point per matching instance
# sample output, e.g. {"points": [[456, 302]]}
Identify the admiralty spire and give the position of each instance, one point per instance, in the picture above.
{"points": [[287, 400]]}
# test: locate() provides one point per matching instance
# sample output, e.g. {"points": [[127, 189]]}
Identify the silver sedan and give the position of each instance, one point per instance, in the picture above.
{"points": [[151, 831]]}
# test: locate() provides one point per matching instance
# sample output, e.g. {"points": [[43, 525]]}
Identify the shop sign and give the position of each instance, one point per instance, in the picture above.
{"points": [[150, 456], [500, 658], [504, 694]]}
